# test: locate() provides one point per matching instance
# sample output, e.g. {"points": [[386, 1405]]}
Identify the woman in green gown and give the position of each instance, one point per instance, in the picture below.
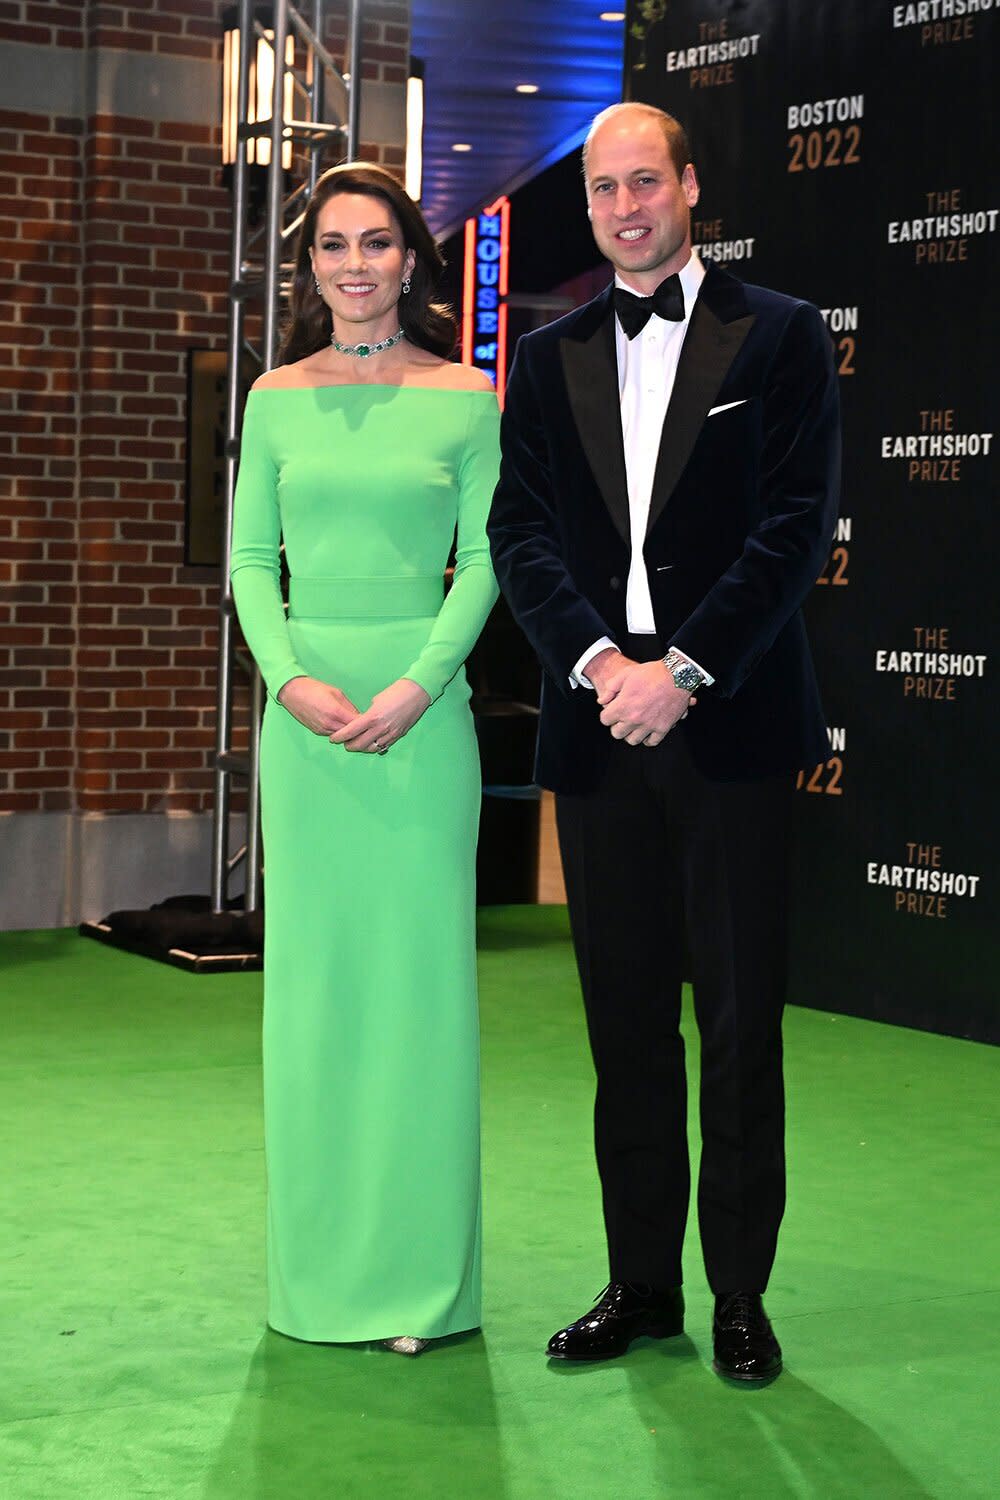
{"points": [[366, 450]]}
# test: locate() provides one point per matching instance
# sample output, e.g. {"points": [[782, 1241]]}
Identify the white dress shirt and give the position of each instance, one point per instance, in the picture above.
{"points": [[647, 367]]}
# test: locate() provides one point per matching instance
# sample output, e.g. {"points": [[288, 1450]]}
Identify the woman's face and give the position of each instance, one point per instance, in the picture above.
{"points": [[359, 258]]}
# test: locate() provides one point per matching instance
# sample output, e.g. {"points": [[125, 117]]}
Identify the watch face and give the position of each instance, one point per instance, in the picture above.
{"points": [[688, 678]]}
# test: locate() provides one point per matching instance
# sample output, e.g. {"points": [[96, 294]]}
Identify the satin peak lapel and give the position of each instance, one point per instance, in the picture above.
{"points": [[709, 349], [590, 367]]}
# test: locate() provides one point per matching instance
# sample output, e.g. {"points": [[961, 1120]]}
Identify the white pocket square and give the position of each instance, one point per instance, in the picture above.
{"points": [[728, 406]]}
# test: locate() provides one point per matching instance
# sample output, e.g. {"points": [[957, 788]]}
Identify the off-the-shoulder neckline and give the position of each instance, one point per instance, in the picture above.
{"points": [[371, 385]]}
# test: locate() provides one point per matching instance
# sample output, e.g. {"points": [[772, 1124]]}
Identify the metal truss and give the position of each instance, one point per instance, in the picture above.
{"points": [[260, 269]]}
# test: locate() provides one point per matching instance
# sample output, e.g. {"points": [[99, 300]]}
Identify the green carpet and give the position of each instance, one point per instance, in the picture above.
{"points": [[134, 1360]]}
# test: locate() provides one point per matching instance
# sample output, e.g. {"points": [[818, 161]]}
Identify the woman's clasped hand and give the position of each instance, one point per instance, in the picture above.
{"points": [[317, 705], [326, 710], [393, 713]]}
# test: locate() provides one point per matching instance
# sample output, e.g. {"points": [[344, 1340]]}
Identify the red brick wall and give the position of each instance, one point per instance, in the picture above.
{"points": [[114, 237], [40, 232], [156, 227]]}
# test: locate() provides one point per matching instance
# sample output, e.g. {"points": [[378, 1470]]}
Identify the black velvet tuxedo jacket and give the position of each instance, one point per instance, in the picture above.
{"points": [[740, 524]]}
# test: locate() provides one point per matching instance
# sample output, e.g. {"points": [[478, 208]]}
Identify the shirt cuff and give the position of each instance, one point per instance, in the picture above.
{"points": [[709, 679], [576, 677]]}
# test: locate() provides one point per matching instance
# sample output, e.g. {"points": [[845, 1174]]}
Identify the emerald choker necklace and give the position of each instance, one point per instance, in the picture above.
{"points": [[365, 351]]}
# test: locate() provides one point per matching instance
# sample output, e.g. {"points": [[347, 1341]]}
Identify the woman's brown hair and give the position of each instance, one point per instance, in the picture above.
{"points": [[428, 324]]}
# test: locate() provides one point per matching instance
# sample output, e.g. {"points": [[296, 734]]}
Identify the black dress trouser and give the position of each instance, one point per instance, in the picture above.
{"points": [[658, 859]]}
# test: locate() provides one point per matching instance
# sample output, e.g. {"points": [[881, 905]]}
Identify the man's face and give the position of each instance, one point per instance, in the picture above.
{"points": [[640, 210]]}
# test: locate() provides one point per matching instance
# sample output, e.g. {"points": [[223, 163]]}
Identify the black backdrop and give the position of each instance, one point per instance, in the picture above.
{"points": [[844, 156]]}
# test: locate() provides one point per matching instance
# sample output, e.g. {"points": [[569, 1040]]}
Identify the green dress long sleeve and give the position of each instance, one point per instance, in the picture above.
{"points": [[371, 1082]]}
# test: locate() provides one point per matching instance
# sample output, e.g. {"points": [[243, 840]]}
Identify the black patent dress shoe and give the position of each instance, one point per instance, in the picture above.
{"points": [[624, 1311], [745, 1346]]}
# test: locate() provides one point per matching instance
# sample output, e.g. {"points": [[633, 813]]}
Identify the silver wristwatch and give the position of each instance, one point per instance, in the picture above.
{"points": [[685, 674]]}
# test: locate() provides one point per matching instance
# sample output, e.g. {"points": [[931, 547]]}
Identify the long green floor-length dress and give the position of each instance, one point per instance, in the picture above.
{"points": [[371, 1066]]}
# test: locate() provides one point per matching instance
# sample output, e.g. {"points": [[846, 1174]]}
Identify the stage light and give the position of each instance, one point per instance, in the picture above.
{"points": [[461, 146], [415, 129], [261, 88], [526, 88]]}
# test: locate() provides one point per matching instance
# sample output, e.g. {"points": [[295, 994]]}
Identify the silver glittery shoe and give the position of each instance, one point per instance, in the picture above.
{"points": [[406, 1345]]}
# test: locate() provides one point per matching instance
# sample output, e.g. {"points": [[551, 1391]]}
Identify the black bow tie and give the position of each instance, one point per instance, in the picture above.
{"points": [[635, 312]]}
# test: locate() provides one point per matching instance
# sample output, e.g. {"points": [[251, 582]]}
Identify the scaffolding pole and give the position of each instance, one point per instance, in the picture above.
{"points": [[261, 282]]}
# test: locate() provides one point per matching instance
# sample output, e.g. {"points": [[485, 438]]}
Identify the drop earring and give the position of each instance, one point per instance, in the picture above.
{"points": [[319, 289], [406, 285]]}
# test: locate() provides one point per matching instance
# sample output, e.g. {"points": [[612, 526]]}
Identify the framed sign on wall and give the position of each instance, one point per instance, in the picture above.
{"points": [[205, 500]]}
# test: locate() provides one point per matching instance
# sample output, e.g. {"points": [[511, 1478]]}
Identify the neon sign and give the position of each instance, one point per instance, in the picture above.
{"points": [[484, 308]]}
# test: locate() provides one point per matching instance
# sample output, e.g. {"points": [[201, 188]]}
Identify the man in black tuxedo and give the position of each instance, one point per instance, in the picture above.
{"points": [[667, 498]]}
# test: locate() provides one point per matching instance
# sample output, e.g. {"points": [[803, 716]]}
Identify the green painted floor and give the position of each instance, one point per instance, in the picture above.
{"points": [[134, 1362]]}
